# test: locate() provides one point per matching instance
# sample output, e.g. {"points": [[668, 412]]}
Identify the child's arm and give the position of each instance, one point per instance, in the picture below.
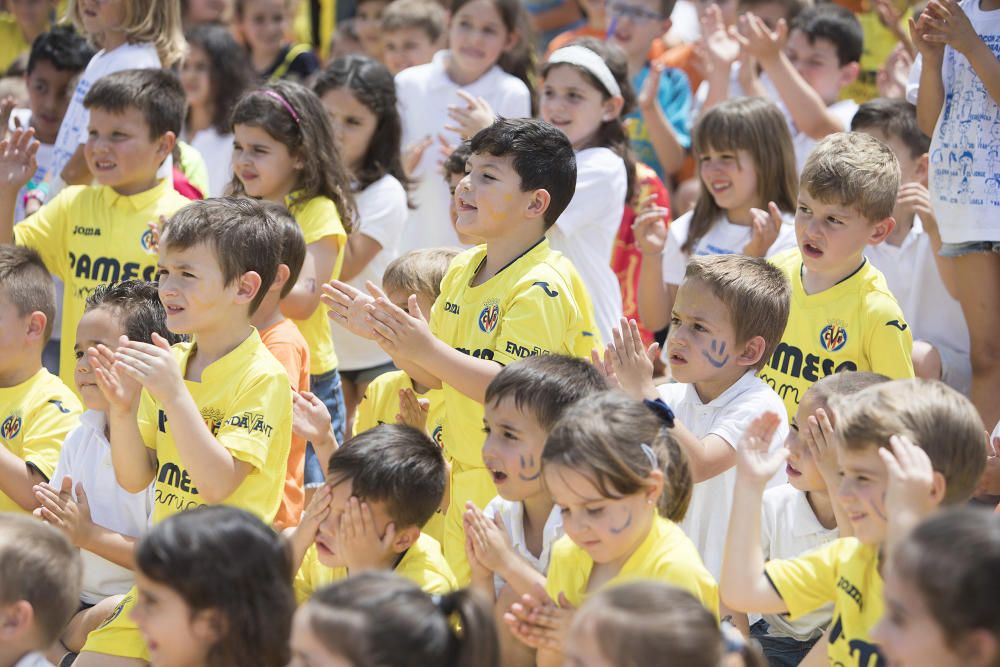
{"points": [[655, 298], [808, 111], [17, 479], [359, 251], [930, 94], [948, 24], [311, 421], [72, 516], [320, 260], [662, 134], [17, 166], [301, 537], [743, 584], [821, 439], [915, 197], [538, 622], [490, 543], [412, 410], [722, 50]]}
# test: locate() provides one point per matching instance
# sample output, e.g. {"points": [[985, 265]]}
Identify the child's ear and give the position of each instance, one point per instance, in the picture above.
{"points": [[539, 203], [15, 619], [939, 486], [280, 278], [880, 230], [513, 38], [247, 287], [613, 106], [848, 73], [665, 26], [405, 539], [978, 648], [209, 625], [655, 488], [753, 350], [165, 145], [923, 168], [35, 329]]}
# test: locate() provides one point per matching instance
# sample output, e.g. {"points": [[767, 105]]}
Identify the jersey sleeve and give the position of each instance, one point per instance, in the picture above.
{"points": [[45, 232], [364, 416], [890, 342], [45, 433], [303, 584], [808, 582], [535, 323], [248, 429]]}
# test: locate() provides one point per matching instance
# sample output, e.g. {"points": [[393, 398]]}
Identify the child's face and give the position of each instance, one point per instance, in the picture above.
{"points": [[264, 24], [818, 64], [121, 154], [453, 181], [400, 299], [637, 23], [574, 105], [863, 483], [49, 92], [477, 37], [208, 11], [353, 124], [911, 169], [406, 47], [731, 178], [701, 345], [31, 13], [196, 77], [176, 635], [608, 529], [802, 470], [99, 16], [832, 237], [192, 289], [513, 450], [263, 164], [307, 649], [326, 538], [367, 25], [489, 197], [99, 326]]}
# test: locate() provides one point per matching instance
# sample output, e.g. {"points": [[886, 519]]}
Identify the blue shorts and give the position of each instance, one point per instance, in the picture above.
{"points": [[780, 651], [968, 248], [327, 389]]}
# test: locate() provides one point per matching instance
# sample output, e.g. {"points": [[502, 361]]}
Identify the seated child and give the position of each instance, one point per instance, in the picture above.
{"points": [[382, 486], [909, 256], [37, 410], [843, 316], [412, 31], [39, 588], [935, 434]]}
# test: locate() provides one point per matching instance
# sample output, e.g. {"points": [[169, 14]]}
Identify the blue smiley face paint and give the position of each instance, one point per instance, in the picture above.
{"points": [[717, 357], [529, 470]]}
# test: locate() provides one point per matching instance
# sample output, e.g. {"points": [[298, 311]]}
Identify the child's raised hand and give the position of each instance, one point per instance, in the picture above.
{"points": [[303, 535], [989, 483], [400, 333], [413, 153], [948, 24], [894, 74], [412, 410], [156, 230], [153, 366], [755, 463], [119, 389], [759, 41], [765, 227], [821, 439], [358, 541], [605, 367], [490, 540], [911, 488], [920, 31], [310, 417], [538, 622], [632, 361], [649, 94], [6, 109], [58, 508], [347, 306], [17, 159], [721, 48], [475, 115], [650, 227]]}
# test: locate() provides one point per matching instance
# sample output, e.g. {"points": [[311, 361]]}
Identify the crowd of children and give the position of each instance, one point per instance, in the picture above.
{"points": [[489, 333]]}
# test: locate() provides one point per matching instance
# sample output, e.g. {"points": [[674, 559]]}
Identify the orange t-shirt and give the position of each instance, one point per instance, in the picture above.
{"points": [[286, 343]]}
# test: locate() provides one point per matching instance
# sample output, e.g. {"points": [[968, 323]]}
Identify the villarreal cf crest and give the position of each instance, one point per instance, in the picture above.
{"points": [[489, 316], [11, 427], [833, 336]]}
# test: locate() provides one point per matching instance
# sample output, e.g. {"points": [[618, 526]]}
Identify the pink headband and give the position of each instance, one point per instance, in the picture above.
{"points": [[284, 103]]}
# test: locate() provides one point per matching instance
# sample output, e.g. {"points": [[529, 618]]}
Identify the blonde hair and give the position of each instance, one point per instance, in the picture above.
{"points": [[938, 419], [843, 383], [419, 272], [157, 22], [856, 170]]}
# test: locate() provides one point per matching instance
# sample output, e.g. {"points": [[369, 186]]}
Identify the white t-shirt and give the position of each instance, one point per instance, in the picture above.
{"points": [[217, 151], [586, 230], [512, 514], [86, 458], [73, 130], [382, 214], [722, 238], [935, 317], [964, 174], [424, 93], [788, 529], [843, 110], [728, 417], [33, 660]]}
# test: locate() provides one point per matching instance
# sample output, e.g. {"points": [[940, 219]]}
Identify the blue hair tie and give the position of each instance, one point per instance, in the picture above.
{"points": [[661, 410]]}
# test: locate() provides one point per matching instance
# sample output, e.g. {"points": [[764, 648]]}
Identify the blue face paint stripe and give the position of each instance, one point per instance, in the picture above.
{"points": [[718, 357], [530, 464], [628, 522]]}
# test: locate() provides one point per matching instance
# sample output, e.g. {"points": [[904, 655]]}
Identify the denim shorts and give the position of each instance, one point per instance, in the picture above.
{"points": [[327, 388], [968, 248], [780, 651]]}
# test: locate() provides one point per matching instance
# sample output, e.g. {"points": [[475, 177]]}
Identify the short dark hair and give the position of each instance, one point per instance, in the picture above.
{"points": [[157, 93], [455, 163], [138, 306], [396, 465], [426, 15], [239, 230], [62, 46], [894, 118], [545, 385], [293, 243], [27, 282], [542, 157], [838, 25]]}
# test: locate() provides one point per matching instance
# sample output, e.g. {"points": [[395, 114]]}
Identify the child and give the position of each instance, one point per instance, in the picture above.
{"points": [[383, 485], [83, 497], [940, 593], [921, 419], [264, 25], [285, 152], [747, 193], [367, 23], [621, 481], [843, 316], [214, 75], [359, 95], [57, 58], [481, 34], [90, 235], [37, 410], [908, 257], [454, 171], [282, 339], [809, 69], [804, 514], [509, 543], [212, 422], [39, 588], [653, 623], [412, 31], [585, 90], [658, 128], [376, 618], [596, 26], [958, 107], [148, 36], [214, 588], [27, 20], [510, 298]]}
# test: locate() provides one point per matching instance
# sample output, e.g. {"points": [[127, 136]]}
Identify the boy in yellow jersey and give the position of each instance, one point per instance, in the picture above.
{"points": [[96, 234], [210, 420], [510, 298], [382, 485], [843, 316], [905, 448], [37, 410]]}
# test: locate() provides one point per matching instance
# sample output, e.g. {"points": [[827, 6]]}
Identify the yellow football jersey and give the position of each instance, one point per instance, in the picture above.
{"points": [[380, 404]]}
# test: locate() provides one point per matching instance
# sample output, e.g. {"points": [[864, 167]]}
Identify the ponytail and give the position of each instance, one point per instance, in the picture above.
{"points": [[474, 635], [678, 482]]}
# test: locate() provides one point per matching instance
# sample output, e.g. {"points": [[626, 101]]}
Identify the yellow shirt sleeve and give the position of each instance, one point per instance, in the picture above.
{"points": [[890, 342], [248, 430], [534, 323], [147, 419], [424, 565], [808, 582], [569, 568], [303, 584], [47, 430], [45, 231]]}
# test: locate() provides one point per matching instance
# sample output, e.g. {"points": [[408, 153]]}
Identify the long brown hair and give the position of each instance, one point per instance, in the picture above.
{"points": [[758, 127]]}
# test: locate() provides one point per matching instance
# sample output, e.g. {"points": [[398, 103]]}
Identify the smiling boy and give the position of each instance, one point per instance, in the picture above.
{"points": [[89, 235]]}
